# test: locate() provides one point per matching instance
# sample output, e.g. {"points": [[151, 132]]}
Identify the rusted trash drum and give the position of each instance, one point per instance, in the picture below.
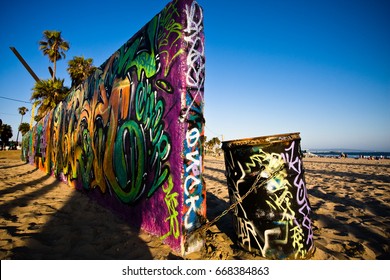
{"points": [[274, 219]]}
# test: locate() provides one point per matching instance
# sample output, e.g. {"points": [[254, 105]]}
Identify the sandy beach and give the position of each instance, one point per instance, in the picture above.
{"points": [[42, 218]]}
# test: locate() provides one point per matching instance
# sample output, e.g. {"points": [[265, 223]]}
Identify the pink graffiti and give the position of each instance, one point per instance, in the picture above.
{"points": [[295, 164]]}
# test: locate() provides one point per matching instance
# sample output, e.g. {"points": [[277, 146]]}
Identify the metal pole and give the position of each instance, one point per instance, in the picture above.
{"points": [[31, 73], [25, 64]]}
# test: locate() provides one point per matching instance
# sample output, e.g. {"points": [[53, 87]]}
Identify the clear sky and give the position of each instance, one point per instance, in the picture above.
{"points": [[321, 68]]}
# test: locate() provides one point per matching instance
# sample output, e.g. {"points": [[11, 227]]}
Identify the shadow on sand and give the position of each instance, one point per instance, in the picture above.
{"points": [[77, 229], [216, 205], [371, 210]]}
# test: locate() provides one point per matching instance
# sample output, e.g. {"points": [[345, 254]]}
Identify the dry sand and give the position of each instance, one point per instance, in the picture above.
{"points": [[42, 218]]}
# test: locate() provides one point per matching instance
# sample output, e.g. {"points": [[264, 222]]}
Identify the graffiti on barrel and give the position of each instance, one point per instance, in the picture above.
{"points": [[132, 133], [274, 220]]}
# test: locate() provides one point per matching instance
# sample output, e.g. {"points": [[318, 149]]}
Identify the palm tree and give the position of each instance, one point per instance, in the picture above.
{"points": [[24, 128], [22, 110], [80, 69], [213, 144], [54, 46], [214, 141], [47, 94]]}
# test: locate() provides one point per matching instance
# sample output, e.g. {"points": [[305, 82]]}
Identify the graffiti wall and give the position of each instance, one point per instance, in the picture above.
{"points": [[274, 219], [132, 135]]}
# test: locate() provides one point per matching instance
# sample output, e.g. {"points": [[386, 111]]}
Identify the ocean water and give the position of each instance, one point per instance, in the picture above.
{"points": [[352, 154]]}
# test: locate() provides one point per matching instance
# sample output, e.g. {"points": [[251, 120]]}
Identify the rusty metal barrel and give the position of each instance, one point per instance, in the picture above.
{"points": [[273, 219]]}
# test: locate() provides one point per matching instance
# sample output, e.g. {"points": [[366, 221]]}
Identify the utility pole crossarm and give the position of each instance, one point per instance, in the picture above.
{"points": [[32, 73], [24, 64]]}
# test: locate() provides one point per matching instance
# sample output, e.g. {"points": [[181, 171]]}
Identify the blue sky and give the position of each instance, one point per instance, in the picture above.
{"points": [[321, 68]]}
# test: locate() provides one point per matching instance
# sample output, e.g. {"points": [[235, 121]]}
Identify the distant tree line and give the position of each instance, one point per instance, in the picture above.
{"points": [[5, 135], [6, 131], [213, 146]]}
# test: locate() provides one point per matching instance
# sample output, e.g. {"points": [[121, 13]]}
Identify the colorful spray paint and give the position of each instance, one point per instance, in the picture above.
{"points": [[274, 219], [132, 135]]}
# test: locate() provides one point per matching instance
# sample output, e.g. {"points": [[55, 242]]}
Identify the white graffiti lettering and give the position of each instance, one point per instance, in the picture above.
{"points": [[189, 183], [192, 137], [195, 163], [193, 171], [246, 230], [195, 75], [191, 201]]}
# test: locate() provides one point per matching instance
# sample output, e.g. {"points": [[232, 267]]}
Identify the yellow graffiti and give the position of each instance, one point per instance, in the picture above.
{"points": [[280, 197], [297, 238], [282, 202], [278, 187], [273, 160], [169, 35], [171, 202]]}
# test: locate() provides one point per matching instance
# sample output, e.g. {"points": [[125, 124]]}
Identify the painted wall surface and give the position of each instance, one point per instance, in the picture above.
{"points": [[274, 220], [132, 135]]}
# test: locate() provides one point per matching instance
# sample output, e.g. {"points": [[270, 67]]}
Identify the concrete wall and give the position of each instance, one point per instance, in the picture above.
{"points": [[132, 135]]}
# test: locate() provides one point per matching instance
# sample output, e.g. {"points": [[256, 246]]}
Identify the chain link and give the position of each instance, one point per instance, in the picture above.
{"points": [[254, 186]]}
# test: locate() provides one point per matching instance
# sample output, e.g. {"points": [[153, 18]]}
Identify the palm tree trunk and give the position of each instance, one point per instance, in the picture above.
{"points": [[54, 69], [17, 135]]}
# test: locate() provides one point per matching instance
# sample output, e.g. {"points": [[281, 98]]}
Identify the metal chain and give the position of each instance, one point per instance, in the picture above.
{"points": [[254, 186]]}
